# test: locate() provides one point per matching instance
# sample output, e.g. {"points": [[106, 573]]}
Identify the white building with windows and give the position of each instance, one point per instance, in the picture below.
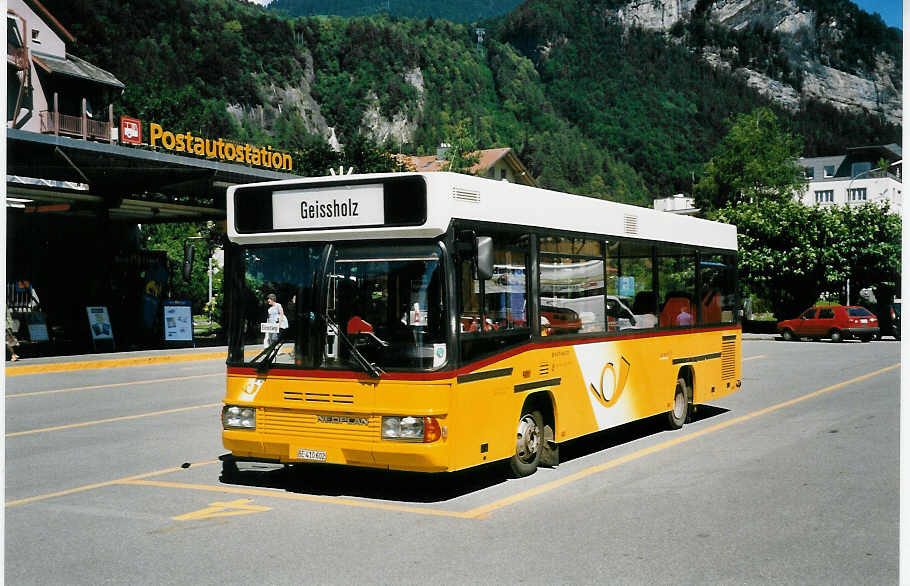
{"points": [[863, 174]]}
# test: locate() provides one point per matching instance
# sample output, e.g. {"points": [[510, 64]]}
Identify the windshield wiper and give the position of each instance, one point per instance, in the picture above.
{"points": [[267, 356], [361, 360]]}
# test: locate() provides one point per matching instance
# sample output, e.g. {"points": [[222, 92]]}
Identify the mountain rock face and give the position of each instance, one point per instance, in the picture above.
{"points": [[401, 128], [876, 90], [298, 98]]}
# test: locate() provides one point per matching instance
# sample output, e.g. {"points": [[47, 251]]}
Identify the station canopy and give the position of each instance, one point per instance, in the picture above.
{"points": [[61, 175]]}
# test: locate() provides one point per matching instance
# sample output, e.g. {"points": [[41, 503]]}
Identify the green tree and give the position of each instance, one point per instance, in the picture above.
{"points": [[366, 157], [755, 162], [463, 150], [786, 252], [171, 238], [871, 249], [791, 254]]}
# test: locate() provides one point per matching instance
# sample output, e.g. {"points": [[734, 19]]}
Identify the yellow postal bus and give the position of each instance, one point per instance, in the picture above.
{"points": [[434, 322]]}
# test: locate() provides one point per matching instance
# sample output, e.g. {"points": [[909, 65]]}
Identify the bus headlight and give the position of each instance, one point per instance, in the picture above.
{"points": [[411, 429], [234, 416]]}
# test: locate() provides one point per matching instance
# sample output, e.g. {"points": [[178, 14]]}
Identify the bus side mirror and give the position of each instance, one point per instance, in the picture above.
{"points": [[483, 245], [189, 254]]}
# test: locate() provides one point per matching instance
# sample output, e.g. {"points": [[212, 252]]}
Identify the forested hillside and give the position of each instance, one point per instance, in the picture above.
{"points": [[590, 107], [462, 11]]}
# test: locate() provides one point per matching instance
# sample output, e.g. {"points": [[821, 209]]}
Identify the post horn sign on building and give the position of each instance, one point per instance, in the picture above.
{"points": [[130, 130], [131, 133]]}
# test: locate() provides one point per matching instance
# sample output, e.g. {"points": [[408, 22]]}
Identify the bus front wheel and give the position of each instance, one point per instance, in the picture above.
{"points": [[528, 442], [677, 415]]}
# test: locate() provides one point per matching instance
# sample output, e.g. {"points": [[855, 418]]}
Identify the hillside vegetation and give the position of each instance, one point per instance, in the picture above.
{"points": [[462, 11], [590, 108]]}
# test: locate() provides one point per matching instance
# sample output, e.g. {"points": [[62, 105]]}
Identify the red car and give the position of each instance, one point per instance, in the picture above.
{"points": [[831, 321]]}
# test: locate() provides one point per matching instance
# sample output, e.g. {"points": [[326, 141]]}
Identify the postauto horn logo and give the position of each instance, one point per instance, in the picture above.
{"points": [[130, 130]]}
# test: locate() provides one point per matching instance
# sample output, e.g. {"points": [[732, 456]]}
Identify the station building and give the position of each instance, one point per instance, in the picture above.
{"points": [[79, 182]]}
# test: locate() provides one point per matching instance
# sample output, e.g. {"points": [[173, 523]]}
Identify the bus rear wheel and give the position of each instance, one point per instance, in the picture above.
{"points": [[528, 442], [677, 415]]}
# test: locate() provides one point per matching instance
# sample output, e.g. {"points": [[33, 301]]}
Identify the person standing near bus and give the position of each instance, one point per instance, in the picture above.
{"points": [[275, 315]]}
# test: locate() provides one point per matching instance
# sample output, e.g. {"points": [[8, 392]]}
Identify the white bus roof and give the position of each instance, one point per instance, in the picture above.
{"points": [[453, 196]]}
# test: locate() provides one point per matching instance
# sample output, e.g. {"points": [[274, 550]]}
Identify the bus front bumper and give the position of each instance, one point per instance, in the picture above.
{"points": [[385, 454]]}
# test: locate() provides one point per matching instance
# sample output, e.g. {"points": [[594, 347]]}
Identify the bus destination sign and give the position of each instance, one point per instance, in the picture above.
{"points": [[328, 207]]}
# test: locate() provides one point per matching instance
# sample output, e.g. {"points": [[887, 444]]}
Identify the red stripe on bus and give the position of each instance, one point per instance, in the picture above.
{"points": [[446, 374]]}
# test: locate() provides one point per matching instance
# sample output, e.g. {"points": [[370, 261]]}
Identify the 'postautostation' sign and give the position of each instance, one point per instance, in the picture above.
{"points": [[187, 142]]}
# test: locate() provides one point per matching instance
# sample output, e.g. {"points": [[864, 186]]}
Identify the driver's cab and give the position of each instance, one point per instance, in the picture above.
{"points": [[385, 304]]}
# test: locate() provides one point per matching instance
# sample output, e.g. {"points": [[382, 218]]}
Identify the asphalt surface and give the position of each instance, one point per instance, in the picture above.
{"points": [[112, 478]]}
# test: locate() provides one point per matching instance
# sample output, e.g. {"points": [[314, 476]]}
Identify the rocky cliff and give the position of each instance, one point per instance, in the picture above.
{"points": [[873, 88]]}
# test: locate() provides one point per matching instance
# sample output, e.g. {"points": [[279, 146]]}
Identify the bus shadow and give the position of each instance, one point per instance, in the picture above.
{"points": [[388, 485], [623, 434], [413, 487]]}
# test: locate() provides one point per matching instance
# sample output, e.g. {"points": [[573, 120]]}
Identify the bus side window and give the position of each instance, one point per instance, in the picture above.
{"points": [[677, 311], [676, 275], [469, 304]]}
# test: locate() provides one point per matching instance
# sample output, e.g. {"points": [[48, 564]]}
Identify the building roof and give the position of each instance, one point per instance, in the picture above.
{"points": [[73, 66], [46, 15], [835, 160], [843, 164], [890, 152], [130, 184], [487, 158]]}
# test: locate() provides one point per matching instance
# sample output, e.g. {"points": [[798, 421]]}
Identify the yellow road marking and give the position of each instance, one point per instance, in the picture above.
{"points": [[77, 489], [755, 357], [297, 497], [111, 363], [487, 509], [112, 419], [223, 509], [112, 385]]}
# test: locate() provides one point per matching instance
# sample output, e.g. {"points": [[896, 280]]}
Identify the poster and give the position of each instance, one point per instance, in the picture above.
{"points": [[178, 321], [100, 323], [627, 286], [37, 327]]}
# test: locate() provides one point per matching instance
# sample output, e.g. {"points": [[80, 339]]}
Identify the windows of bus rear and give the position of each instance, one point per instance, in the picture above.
{"points": [[718, 288], [662, 287], [676, 292]]}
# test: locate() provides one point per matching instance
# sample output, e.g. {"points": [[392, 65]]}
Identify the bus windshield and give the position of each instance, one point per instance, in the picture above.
{"points": [[345, 306], [386, 304]]}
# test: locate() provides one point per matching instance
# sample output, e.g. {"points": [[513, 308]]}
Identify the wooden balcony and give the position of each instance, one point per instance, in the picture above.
{"points": [[16, 56], [80, 126]]}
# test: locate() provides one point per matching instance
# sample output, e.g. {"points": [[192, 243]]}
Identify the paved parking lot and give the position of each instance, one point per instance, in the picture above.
{"points": [[112, 476]]}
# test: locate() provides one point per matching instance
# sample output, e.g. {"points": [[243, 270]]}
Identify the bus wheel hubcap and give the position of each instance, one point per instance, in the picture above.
{"points": [[679, 405], [528, 439]]}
